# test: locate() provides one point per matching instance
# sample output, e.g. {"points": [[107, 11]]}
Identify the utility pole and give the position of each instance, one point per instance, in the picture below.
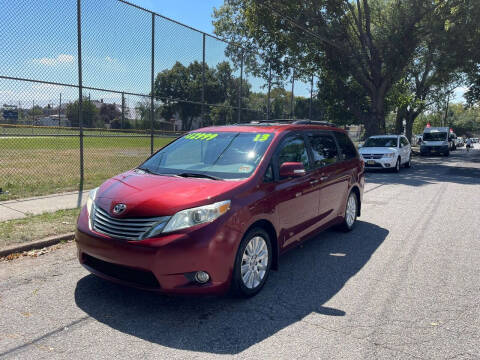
{"points": [[59, 110], [292, 98], [311, 99], [446, 109], [123, 109]]}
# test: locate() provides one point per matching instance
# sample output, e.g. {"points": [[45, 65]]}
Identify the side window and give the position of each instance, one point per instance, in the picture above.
{"points": [[346, 146], [324, 150], [293, 150], [404, 141]]}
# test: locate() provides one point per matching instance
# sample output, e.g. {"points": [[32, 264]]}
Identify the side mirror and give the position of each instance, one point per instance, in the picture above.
{"points": [[292, 169]]}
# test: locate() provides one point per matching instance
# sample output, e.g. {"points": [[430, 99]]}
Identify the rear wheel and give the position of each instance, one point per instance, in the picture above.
{"points": [[351, 210], [252, 263], [447, 153]]}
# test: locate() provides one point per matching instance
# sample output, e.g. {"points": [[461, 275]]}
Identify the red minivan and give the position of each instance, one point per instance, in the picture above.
{"points": [[215, 209]]}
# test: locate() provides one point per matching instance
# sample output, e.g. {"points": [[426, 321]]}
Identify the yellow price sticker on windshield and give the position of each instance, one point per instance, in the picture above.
{"points": [[201, 136], [261, 137]]}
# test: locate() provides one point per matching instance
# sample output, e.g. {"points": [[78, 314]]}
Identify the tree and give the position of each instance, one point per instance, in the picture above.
{"points": [[90, 114], [109, 112], [363, 46]]}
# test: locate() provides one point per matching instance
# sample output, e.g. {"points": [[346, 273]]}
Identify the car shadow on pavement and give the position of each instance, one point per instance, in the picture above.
{"points": [[308, 277]]}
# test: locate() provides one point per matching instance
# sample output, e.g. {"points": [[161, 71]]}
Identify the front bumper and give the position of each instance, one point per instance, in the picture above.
{"points": [[382, 163], [163, 264], [430, 149]]}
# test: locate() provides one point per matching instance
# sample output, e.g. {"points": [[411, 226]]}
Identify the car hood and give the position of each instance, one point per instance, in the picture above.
{"points": [[377, 150], [148, 195]]}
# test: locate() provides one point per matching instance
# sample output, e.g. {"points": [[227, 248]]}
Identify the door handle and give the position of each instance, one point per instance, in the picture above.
{"points": [[313, 182], [323, 178]]}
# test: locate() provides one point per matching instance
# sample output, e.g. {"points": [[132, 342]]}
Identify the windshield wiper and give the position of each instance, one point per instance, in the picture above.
{"points": [[197, 175]]}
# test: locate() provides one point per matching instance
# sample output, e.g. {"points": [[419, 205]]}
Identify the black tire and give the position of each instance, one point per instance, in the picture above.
{"points": [[397, 167], [344, 225], [408, 164], [238, 287], [447, 153]]}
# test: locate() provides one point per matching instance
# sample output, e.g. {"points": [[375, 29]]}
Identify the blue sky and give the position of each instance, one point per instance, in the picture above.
{"points": [[39, 42]]}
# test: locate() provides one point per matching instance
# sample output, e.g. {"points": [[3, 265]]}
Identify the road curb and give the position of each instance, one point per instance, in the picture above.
{"points": [[37, 244]]}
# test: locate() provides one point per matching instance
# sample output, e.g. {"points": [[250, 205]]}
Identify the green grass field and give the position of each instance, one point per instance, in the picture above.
{"points": [[31, 166]]}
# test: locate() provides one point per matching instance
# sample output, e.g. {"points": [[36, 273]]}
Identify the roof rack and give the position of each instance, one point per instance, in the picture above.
{"points": [[292, 121], [314, 122]]}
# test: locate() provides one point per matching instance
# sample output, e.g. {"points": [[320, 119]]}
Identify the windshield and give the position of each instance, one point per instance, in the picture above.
{"points": [[435, 136], [221, 155], [381, 142]]}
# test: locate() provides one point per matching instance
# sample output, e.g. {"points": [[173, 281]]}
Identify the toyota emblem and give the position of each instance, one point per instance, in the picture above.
{"points": [[119, 208]]}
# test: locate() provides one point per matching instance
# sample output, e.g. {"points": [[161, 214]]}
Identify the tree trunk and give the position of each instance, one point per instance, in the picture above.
{"points": [[409, 124], [375, 125], [399, 120]]}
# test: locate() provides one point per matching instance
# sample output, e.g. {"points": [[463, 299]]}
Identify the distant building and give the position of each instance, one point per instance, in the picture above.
{"points": [[53, 120]]}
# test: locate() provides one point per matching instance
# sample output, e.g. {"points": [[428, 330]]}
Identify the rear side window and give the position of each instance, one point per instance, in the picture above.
{"points": [[346, 146], [324, 149], [404, 141]]}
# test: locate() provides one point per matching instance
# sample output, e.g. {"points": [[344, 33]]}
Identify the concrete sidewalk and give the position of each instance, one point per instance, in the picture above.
{"points": [[17, 209]]}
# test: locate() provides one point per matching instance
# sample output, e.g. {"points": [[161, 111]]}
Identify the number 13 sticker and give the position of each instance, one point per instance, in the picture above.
{"points": [[261, 137]]}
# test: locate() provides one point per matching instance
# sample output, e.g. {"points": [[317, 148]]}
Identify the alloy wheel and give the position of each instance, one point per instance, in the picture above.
{"points": [[351, 211], [254, 262]]}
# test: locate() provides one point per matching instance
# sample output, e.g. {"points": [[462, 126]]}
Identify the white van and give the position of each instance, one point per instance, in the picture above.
{"points": [[436, 140]]}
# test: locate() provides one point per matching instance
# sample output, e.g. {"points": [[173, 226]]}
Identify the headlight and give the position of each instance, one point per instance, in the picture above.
{"points": [[203, 214], [90, 202], [389, 155]]}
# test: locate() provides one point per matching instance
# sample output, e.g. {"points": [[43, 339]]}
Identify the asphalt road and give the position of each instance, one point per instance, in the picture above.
{"points": [[404, 284]]}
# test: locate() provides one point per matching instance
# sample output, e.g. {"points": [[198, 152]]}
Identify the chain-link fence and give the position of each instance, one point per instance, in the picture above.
{"points": [[89, 89]]}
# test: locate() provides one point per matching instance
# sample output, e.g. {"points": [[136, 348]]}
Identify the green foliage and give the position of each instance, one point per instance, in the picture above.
{"points": [[464, 121], [90, 114], [108, 112], [373, 55]]}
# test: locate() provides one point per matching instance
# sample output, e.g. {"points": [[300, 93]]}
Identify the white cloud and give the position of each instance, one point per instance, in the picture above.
{"points": [[60, 59]]}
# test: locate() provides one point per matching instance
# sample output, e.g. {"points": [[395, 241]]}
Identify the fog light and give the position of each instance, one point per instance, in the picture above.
{"points": [[201, 277], [387, 165]]}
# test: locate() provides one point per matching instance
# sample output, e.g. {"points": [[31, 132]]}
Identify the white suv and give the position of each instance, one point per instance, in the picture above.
{"points": [[386, 152]]}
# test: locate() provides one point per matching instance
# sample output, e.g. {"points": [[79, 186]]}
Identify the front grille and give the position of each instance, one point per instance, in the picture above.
{"points": [[372, 156], [135, 276], [124, 228]]}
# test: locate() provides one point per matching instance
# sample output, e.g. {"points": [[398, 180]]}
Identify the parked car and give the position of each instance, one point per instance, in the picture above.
{"points": [[214, 209], [386, 152], [436, 140], [459, 142]]}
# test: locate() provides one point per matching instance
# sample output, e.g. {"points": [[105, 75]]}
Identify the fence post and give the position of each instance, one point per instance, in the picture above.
{"points": [[311, 99], [80, 99], [292, 98], [269, 89], [239, 115], [152, 90], [123, 109], [203, 82]]}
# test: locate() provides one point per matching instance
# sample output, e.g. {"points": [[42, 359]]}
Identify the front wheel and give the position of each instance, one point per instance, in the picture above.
{"points": [[396, 169], [351, 211], [252, 263], [408, 164]]}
